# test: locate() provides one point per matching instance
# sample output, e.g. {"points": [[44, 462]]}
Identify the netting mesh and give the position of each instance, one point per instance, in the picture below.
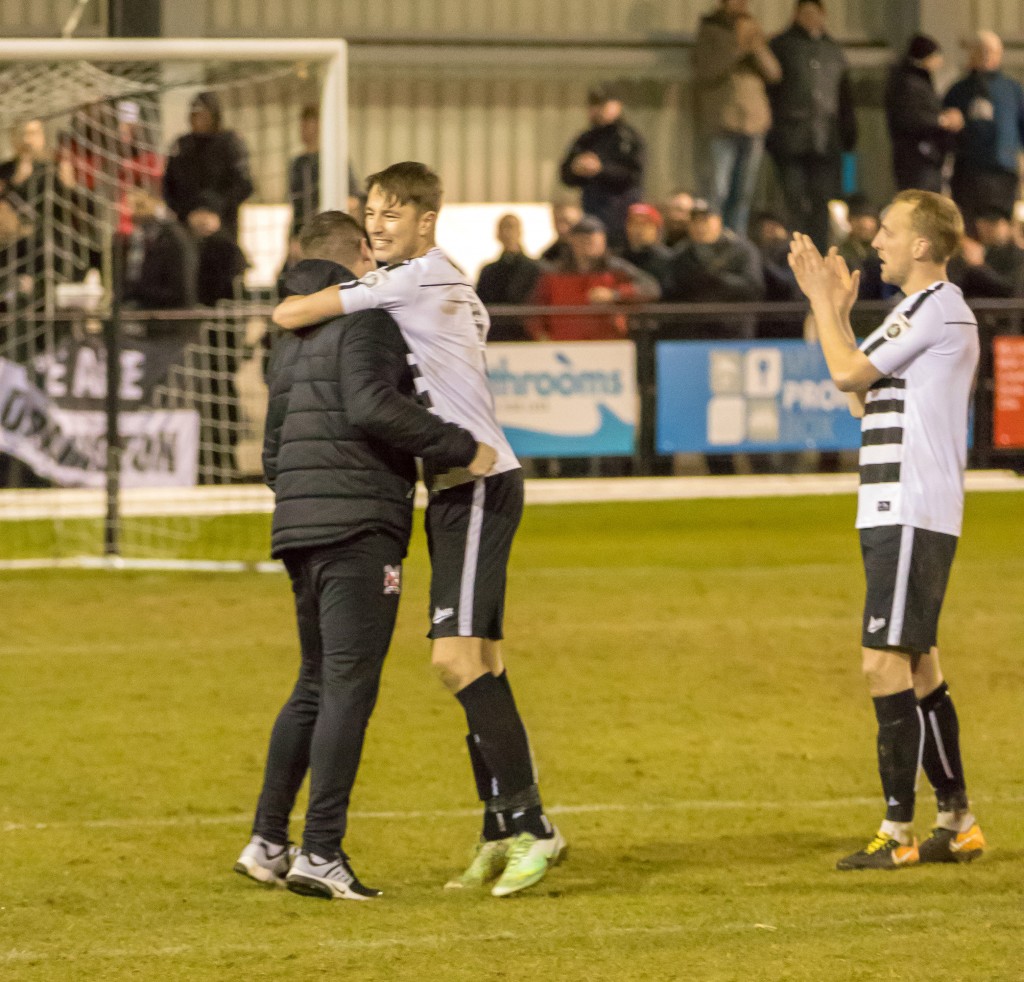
{"points": [[81, 138]]}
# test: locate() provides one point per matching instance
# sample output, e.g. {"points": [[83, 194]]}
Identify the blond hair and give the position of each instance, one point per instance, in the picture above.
{"points": [[935, 218]]}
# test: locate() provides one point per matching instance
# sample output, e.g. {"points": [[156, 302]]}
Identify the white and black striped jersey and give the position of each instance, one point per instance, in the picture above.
{"points": [[914, 432], [445, 325]]}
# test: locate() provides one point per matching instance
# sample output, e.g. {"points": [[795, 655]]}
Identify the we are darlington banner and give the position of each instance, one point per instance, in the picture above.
{"points": [[54, 419], [749, 396], [566, 400]]}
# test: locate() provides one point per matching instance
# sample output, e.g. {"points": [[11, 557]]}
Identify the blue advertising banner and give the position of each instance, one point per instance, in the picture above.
{"points": [[749, 396], [566, 400]]}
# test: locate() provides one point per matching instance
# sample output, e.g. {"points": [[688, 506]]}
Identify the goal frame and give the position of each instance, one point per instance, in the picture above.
{"points": [[332, 54]]}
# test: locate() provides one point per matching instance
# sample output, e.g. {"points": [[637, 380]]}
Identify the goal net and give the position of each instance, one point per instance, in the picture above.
{"points": [[134, 302]]}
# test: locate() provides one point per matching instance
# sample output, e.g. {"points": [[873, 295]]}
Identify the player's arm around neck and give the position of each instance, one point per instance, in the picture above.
{"points": [[831, 290], [314, 308]]}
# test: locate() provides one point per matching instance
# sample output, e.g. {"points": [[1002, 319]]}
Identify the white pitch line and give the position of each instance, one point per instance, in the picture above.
{"points": [[240, 818], [441, 941]]}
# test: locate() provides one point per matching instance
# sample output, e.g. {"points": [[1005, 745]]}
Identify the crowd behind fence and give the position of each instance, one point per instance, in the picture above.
{"points": [[719, 388]]}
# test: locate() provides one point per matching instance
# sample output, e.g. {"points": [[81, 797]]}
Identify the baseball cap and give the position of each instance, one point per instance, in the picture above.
{"points": [[647, 211], [588, 225]]}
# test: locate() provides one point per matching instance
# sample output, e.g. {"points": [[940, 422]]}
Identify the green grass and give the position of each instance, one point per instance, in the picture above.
{"points": [[689, 675]]}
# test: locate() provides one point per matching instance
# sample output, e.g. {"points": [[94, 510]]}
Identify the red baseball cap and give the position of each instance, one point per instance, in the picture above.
{"points": [[647, 211]]}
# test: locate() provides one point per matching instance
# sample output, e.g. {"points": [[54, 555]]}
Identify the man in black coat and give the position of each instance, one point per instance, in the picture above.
{"points": [[607, 162], [160, 258], [510, 279], [813, 121], [920, 129], [208, 161], [342, 428]]}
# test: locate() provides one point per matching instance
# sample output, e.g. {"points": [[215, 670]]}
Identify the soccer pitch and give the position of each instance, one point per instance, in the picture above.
{"points": [[689, 675]]}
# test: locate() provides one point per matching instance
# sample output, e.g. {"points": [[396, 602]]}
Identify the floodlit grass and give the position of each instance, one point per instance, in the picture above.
{"points": [[689, 674], [226, 537]]}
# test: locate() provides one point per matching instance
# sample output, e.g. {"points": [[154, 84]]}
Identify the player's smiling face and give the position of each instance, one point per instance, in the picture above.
{"points": [[897, 244], [397, 232]]}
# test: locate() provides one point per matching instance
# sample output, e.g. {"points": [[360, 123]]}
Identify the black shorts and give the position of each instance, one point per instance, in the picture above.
{"points": [[469, 532], [907, 570]]}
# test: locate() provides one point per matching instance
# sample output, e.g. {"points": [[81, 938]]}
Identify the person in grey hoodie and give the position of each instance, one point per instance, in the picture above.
{"points": [[731, 64]]}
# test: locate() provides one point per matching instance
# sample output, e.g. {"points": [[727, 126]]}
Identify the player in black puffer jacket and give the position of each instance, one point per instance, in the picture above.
{"points": [[342, 428]]}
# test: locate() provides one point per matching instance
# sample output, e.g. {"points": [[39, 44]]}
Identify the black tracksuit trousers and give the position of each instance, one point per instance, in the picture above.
{"points": [[346, 601]]}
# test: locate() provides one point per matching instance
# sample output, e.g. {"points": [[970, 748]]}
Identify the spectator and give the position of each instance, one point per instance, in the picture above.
{"points": [[607, 162], [813, 121], [565, 215], [23, 177], [139, 166], [15, 284], [304, 174], [511, 279], [731, 63], [644, 248], [161, 262], [770, 237], [220, 261], [856, 247], [715, 266], [678, 209], [985, 162], [591, 275], [993, 264], [922, 132], [211, 161]]}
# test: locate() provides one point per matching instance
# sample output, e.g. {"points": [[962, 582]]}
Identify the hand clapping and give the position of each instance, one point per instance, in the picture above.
{"points": [[819, 277]]}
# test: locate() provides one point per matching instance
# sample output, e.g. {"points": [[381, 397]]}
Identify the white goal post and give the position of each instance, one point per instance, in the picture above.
{"points": [[332, 53], [58, 277]]}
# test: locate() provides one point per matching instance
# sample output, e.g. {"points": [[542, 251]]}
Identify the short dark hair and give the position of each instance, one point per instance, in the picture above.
{"points": [[333, 235], [409, 182], [310, 111]]}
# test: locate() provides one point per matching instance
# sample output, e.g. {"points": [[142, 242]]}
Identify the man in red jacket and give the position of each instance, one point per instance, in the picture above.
{"points": [[589, 275]]}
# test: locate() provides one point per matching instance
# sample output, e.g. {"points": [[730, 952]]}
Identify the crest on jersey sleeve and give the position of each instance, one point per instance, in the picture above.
{"points": [[899, 326]]}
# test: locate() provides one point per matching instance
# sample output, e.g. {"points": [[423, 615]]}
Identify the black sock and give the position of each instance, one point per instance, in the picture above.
{"points": [[500, 738], [899, 752], [497, 824], [941, 757]]}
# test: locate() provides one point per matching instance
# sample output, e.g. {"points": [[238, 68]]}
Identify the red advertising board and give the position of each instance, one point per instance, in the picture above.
{"points": [[1008, 415]]}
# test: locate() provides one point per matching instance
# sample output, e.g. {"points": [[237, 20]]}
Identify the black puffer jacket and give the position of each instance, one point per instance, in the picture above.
{"points": [[343, 427]]}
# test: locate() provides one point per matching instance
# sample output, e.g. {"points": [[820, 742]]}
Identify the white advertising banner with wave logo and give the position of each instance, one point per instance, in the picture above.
{"points": [[566, 400]]}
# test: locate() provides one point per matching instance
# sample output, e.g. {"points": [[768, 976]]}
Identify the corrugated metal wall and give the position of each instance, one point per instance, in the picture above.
{"points": [[584, 20], [499, 136], [46, 18], [496, 119]]}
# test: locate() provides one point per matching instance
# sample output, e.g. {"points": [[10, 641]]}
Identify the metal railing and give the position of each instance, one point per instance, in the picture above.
{"points": [[644, 324]]}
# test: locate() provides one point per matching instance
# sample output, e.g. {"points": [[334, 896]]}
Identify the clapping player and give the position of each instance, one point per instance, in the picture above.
{"points": [[470, 521], [911, 380]]}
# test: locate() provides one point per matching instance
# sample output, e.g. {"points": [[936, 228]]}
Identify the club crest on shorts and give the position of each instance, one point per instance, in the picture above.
{"points": [[392, 579]]}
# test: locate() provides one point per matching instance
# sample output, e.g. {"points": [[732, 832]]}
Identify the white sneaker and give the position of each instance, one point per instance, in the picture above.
{"points": [[529, 859], [265, 862], [330, 879]]}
